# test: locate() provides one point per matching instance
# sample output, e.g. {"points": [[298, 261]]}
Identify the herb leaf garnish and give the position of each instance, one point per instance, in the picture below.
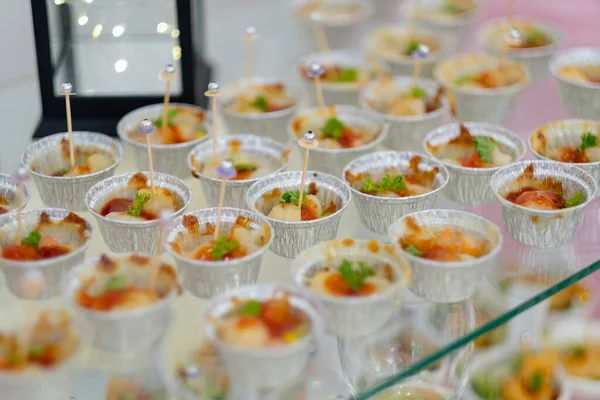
{"points": [[170, 116], [117, 282], [419, 92], [534, 36], [575, 200], [222, 247], [244, 167], [578, 351], [396, 184], [138, 204], [348, 75], [33, 239], [261, 103], [355, 278], [291, 196], [461, 80], [333, 129], [536, 382], [484, 146], [588, 140], [251, 308], [413, 46], [410, 249]]}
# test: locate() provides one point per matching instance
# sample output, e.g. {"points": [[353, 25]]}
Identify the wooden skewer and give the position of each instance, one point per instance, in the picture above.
{"points": [[249, 36], [146, 129], [419, 54], [168, 75], [220, 211], [308, 142], [315, 71], [20, 178], [225, 171], [323, 45], [67, 91], [213, 92]]}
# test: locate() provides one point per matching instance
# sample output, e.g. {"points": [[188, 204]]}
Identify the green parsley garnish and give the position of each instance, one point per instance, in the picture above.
{"points": [[419, 92], [484, 146], [223, 247], [138, 204], [15, 359], [412, 47], [64, 171], [33, 239], [170, 116], [575, 200], [534, 36], [410, 249], [461, 80], [355, 278], [36, 351], [261, 103], [245, 167], [333, 129], [396, 184], [587, 141], [291, 196], [128, 396], [517, 363], [536, 381], [117, 282], [578, 351], [369, 186], [251, 308], [348, 75], [451, 8]]}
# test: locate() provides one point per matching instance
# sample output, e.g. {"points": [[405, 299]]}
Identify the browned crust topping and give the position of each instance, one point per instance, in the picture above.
{"points": [[139, 260], [191, 223], [138, 181], [106, 264]]}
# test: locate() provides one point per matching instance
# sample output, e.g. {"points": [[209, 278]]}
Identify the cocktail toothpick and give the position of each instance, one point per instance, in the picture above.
{"points": [[225, 171], [146, 129], [315, 71], [19, 178], [307, 142], [213, 92], [32, 284], [249, 36], [421, 52], [168, 75], [66, 89], [513, 36]]}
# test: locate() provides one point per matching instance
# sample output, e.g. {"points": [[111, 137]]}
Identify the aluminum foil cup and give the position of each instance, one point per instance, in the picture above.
{"points": [[472, 185], [235, 191], [53, 270], [271, 125], [474, 104], [492, 38], [543, 228], [127, 236], [264, 367], [67, 192], [10, 191], [334, 93], [378, 213], [121, 330], [406, 133], [580, 99], [206, 279], [166, 158], [449, 282], [330, 19], [353, 316], [333, 161], [566, 132], [290, 238]]}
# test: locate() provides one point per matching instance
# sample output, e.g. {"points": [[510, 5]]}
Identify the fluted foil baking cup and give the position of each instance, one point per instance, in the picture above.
{"points": [[333, 161], [206, 279], [166, 158], [406, 133], [378, 213], [449, 282], [491, 37], [271, 125], [353, 316], [10, 192], [543, 228], [329, 19], [128, 236], [235, 191], [291, 238], [52, 270], [580, 99], [264, 367], [67, 191], [475, 104], [472, 185], [566, 132], [121, 330]]}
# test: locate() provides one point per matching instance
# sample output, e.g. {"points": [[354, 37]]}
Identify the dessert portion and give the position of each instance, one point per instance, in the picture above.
{"points": [[49, 239], [214, 382], [585, 150], [540, 193], [398, 43], [50, 343], [392, 182], [443, 243], [183, 124], [260, 98], [197, 242], [584, 73], [88, 160], [5, 206], [255, 324], [528, 375], [283, 206], [339, 74], [125, 283], [138, 203], [502, 75], [388, 98], [582, 360], [127, 389], [471, 151]]}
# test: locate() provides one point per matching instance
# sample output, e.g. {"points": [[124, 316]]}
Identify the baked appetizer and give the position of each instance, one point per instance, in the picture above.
{"points": [[321, 10], [52, 342], [284, 206], [339, 74], [258, 324], [446, 9], [88, 160], [391, 182], [443, 243], [586, 150], [5, 206], [183, 124], [49, 239], [397, 43], [262, 98], [491, 78], [540, 194], [126, 283], [198, 244], [531, 36], [213, 383], [585, 73], [126, 389], [582, 360], [575, 295], [139, 203], [388, 98], [471, 151]]}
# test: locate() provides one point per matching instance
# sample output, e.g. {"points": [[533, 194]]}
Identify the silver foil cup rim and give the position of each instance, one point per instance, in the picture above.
{"points": [[335, 57], [495, 251], [570, 172], [186, 197], [6, 181], [124, 133], [54, 213], [267, 143], [72, 283], [79, 138], [212, 212], [571, 56], [291, 175], [339, 21], [451, 21], [492, 129], [399, 200], [401, 30]]}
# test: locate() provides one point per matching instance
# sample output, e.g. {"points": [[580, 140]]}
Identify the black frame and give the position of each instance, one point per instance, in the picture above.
{"points": [[101, 114]]}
